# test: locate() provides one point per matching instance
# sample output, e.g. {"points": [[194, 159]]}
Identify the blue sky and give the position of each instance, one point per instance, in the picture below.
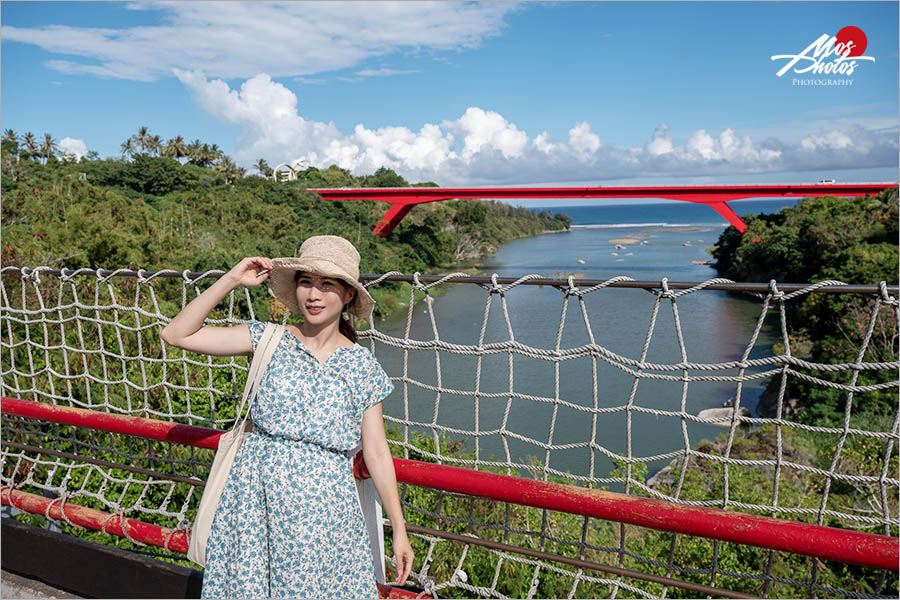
{"points": [[467, 93]]}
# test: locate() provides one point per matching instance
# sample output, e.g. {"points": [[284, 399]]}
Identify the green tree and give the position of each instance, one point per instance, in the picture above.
{"points": [[155, 145], [385, 177], [10, 142], [175, 148], [48, 148], [229, 170], [141, 139], [194, 152], [470, 213], [31, 145], [127, 148]]}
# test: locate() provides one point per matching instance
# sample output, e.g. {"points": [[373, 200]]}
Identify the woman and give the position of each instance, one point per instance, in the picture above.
{"points": [[289, 523]]}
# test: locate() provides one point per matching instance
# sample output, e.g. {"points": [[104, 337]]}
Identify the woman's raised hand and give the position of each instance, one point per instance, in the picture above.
{"points": [[251, 271]]}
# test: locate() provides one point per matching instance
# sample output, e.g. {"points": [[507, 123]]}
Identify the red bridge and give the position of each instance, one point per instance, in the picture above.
{"points": [[717, 196]]}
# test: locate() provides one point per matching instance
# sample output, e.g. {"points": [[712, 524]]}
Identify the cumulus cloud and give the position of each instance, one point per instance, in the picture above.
{"points": [[73, 147], [661, 142], [583, 141], [240, 39], [485, 129], [483, 147]]}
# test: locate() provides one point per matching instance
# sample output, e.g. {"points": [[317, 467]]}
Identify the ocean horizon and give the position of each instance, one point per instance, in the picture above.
{"points": [[668, 213]]}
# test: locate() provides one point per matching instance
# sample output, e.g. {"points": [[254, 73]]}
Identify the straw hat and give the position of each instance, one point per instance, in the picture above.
{"points": [[325, 255]]}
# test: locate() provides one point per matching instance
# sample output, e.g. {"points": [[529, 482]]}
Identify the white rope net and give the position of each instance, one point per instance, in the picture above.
{"points": [[602, 401]]}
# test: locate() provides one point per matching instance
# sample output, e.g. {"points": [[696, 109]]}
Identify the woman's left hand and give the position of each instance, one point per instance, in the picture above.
{"points": [[403, 555]]}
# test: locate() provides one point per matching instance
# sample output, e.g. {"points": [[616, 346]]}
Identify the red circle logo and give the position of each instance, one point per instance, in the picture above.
{"points": [[853, 38]]}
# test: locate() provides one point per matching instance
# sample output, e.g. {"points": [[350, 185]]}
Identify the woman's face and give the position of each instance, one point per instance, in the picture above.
{"points": [[322, 299]]}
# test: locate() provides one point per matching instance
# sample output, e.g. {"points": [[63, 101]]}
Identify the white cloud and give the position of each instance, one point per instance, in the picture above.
{"points": [[384, 72], [73, 147], [311, 80], [487, 130], [483, 147], [583, 140], [831, 140], [661, 142], [543, 144], [240, 39]]}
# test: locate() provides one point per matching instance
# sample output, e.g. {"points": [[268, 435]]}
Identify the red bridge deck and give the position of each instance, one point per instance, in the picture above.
{"points": [[717, 196]]}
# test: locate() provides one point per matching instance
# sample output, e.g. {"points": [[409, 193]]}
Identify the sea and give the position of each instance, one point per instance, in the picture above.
{"points": [[566, 404]]}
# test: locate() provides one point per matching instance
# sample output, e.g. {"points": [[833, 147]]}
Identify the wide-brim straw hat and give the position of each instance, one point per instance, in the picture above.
{"points": [[325, 255]]}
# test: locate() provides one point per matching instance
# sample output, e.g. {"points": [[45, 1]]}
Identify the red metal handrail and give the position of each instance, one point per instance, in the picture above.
{"points": [[827, 543], [91, 518], [716, 196], [140, 531]]}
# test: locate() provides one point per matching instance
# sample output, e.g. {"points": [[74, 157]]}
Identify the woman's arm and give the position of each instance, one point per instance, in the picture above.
{"points": [[186, 329], [381, 467]]}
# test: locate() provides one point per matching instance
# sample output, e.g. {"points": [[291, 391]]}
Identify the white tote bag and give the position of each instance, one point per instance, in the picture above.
{"points": [[229, 444]]}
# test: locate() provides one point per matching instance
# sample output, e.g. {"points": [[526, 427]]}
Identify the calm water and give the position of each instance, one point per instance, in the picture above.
{"points": [[716, 327]]}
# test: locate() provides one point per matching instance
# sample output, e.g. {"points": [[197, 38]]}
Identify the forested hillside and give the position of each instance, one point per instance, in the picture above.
{"points": [[199, 212], [853, 240]]}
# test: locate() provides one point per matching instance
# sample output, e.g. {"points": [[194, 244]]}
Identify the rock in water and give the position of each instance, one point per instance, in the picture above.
{"points": [[723, 415]]}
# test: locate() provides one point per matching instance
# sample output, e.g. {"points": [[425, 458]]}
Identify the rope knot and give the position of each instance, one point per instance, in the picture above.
{"points": [[428, 589], [885, 297], [666, 292], [182, 526], [495, 285], [105, 278], [33, 274], [773, 289], [571, 289]]}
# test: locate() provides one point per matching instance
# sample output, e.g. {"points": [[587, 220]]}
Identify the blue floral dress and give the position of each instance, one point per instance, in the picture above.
{"points": [[289, 522]]}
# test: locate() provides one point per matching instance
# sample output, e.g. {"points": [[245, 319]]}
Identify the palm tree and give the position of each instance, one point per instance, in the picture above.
{"points": [[194, 152], [31, 146], [175, 148], [154, 144], [230, 170], [48, 148], [263, 167], [11, 138], [215, 153], [208, 155], [127, 147], [203, 158], [142, 137]]}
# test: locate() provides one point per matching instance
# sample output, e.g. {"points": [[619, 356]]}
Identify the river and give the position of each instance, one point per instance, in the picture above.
{"points": [[665, 239]]}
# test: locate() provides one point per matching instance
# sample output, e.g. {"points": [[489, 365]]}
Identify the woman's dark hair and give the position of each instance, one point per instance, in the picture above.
{"points": [[345, 326]]}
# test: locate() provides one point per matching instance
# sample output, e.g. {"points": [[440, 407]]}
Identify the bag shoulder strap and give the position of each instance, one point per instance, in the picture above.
{"points": [[264, 350]]}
